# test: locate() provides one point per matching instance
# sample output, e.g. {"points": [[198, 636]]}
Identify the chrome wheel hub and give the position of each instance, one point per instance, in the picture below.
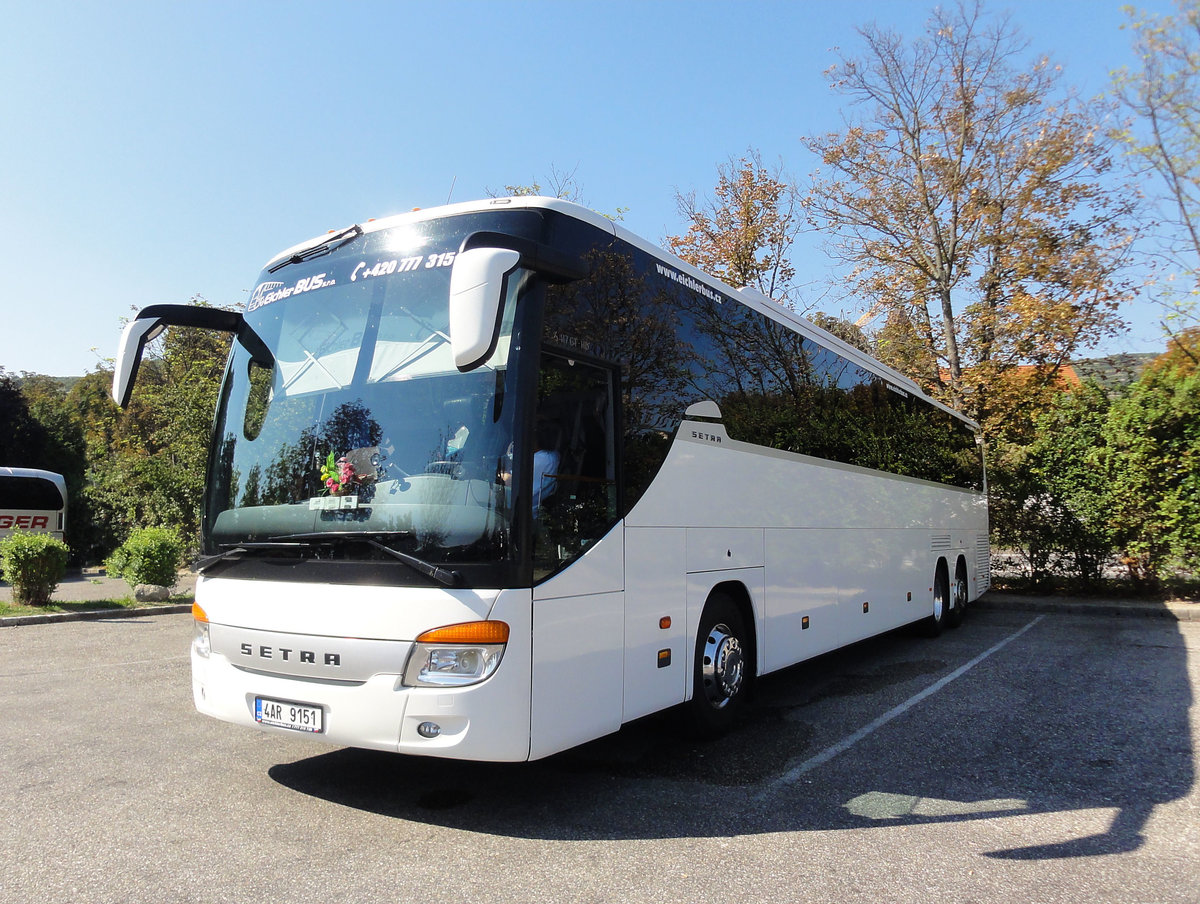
{"points": [[723, 667], [960, 593], [939, 603]]}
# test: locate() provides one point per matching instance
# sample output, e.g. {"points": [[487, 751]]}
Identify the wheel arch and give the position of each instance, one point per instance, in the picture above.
{"points": [[739, 593], [942, 569]]}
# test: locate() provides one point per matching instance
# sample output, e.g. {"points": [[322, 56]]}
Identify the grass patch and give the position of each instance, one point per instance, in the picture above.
{"points": [[10, 609]]}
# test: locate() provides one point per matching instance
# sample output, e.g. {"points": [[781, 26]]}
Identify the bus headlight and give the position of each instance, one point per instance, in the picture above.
{"points": [[201, 643], [456, 655]]}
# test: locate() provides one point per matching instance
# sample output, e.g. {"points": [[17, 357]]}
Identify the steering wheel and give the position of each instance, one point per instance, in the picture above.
{"points": [[452, 469]]}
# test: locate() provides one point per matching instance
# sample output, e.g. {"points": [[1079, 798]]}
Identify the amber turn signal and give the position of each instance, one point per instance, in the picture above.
{"points": [[468, 632]]}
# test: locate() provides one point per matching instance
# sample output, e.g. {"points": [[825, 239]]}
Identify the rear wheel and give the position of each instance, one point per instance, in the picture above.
{"points": [[958, 595], [722, 669]]}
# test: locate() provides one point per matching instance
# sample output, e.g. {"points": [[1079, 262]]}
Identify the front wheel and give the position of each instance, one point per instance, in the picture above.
{"points": [[722, 669], [939, 619]]}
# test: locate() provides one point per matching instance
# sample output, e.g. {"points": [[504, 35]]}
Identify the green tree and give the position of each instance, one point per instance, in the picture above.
{"points": [[42, 430], [1051, 499], [1023, 517], [1069, 450], [1153, 455], [48, 405], [973, 199], [65, 452], [91, 401], [23, 441], [157, 448]]}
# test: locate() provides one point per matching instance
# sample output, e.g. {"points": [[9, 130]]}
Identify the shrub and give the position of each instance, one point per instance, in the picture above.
{"points": [[1051, 498], [150, 556], [33, 564], [1153, 440]]}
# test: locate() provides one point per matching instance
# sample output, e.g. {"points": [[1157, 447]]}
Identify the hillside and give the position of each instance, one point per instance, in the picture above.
{"points": [[1113, 371], [65, 382]]}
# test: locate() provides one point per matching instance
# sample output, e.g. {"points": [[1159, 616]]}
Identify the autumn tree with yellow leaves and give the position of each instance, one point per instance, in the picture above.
{"points": [[744, 234], [975, 203]]}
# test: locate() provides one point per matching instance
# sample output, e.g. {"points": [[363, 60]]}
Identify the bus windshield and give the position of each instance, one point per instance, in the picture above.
{"points": [[361, 425]]}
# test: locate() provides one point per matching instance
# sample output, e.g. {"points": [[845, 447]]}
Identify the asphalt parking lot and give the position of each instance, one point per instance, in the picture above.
{"points": [[1026, 757]]}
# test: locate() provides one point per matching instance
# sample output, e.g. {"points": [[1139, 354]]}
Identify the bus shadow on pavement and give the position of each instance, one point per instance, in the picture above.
{"points": [[1109, 730]]}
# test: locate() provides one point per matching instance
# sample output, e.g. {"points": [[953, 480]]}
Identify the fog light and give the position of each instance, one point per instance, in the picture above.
{"points": [[429, 729]]}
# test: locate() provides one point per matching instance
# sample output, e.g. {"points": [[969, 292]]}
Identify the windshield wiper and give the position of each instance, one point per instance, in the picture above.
{"points": [[333, 243], [233, 549], [444, 576]]}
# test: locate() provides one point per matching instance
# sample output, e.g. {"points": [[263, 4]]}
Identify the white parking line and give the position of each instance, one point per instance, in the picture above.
{"points": [[849, 741]]}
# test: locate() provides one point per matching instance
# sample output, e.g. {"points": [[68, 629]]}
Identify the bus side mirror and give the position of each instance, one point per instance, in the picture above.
{"points": [[154, 319], [477, 287], [136, 334]]}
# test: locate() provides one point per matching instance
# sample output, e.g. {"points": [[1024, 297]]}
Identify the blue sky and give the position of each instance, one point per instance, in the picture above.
{"points": [[155, 151]]}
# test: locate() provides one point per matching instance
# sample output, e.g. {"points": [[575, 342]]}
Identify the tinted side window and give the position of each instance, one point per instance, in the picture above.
{"points": [[620, 318], [678, 342], [35, 493], [779, 389]]}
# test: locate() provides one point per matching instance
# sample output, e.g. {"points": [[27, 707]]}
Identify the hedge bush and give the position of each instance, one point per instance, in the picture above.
{"points": [[34, 564], [151, 555]]}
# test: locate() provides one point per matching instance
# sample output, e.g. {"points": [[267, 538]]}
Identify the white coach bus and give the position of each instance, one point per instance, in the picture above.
{"points": [[490, 480], [32, 500]]}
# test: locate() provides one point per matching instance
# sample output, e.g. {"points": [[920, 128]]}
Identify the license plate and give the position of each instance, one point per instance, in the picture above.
{"points": [[296, 716]]}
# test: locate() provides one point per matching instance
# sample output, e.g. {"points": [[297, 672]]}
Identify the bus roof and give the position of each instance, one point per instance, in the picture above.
{"points": [[57, 479]]}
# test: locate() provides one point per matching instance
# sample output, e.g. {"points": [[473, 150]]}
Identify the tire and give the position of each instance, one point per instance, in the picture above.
{"points": [[721, 671], [958, 596], [939, 619]]}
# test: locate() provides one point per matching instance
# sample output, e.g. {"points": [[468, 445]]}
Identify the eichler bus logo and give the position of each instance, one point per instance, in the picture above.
{"points": [[269, 292], [262, 294]]}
